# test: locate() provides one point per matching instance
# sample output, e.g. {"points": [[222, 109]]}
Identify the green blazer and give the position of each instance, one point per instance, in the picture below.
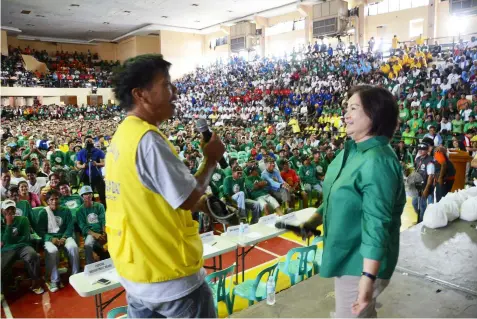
{"points": [[364, 198]]}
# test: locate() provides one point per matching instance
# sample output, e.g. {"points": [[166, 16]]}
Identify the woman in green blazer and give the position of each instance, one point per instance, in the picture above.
{"points": [[363, 199]]}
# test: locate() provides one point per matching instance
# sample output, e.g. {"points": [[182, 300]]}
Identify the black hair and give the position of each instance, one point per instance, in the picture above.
{"points": [[63, 182], [381, 108], [54, 175], [429, 141], [137, 72], [52, 192]]}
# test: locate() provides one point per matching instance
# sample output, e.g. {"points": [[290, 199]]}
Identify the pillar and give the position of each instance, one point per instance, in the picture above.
{"points": [[261, 23], [360, 30], [431, 20]]}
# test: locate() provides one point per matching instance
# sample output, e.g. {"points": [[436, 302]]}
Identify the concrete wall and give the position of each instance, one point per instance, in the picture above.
{"points": [[220, 52], [183, 50], [295, 15], [52, 95], [127, 49], [148, 44], [278, 44], [395, 23]]}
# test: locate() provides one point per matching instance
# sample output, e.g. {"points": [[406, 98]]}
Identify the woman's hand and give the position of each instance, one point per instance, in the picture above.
{"points": [[365, 295]]}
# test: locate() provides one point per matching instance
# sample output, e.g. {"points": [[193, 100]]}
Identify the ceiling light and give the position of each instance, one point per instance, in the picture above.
{"points": [[164, 17], [194, 5], [127, 11], [74, 5], [25, 12], [196, 21], [229, 11]]}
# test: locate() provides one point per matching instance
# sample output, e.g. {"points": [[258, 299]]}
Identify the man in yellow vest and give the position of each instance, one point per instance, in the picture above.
{"points": [[152, 238]]}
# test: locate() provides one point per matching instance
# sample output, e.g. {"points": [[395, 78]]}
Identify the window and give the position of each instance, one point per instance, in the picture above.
{"points": [[383, 7], [372, 9], [386, 6], [416, 27], [284, 27], [393, 5], [419, 3], [405, 4]]}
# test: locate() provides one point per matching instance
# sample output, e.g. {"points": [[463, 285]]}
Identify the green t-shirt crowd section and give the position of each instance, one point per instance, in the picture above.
{"points": [[289, 110]]}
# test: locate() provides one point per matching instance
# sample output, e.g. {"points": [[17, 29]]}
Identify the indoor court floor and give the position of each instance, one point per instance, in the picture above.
{"points": [[66, 303]]}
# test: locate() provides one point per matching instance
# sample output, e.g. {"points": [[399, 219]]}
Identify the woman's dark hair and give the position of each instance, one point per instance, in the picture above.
{"points": [[137, 72], [380, 106]]}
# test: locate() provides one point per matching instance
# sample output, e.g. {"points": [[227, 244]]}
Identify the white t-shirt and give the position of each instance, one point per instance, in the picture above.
{"points": [[40, 183]]}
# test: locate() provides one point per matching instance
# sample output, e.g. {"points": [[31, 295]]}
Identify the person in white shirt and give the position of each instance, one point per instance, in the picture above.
{"points": [[466, 113], [453, 77], [415, 101], [446, 86], [35, 184], [446, 125]]}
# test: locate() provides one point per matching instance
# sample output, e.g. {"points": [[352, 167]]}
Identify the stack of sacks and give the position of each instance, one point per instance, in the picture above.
{"points": [[462, 203]]}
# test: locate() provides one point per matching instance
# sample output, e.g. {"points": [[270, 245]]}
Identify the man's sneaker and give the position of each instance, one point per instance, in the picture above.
{"points": [[38, 290], [53, 286]]}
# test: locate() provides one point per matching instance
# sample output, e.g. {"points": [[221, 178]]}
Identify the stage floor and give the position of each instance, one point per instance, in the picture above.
{"points": [[437, 277]]}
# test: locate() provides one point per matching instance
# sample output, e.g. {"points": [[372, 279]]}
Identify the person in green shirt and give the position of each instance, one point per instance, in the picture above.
{"points": [[308, 177], [16, 245], [235, 192], [70, 156], [471, 124], [216, 181], [415, 123], [23, 207], [55, 226], [295, 160], [457, 125], [232, 163], [71, 201], [327, 159], [317, 162], [257, 188], [57, 158], [364, 198], [408, 136], [91, 220], [404, 114], [32, 152]]}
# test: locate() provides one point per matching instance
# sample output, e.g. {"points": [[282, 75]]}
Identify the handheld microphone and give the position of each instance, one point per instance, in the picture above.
{"points": [[203, 128], [302, 231]]}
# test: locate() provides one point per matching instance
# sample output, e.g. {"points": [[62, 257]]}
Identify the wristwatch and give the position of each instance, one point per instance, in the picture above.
{"points": [[370, 276]]}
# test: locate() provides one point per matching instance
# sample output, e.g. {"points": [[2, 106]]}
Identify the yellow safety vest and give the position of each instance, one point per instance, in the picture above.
{"points": [[148, 240]]}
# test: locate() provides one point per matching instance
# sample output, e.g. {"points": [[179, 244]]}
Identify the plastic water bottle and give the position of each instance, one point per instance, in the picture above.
{"points": [[270, 291], [241, 229]]}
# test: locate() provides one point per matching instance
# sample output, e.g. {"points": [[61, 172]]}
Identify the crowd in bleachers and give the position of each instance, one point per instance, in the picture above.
{"points": [[281, 120], [72, 70]]}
